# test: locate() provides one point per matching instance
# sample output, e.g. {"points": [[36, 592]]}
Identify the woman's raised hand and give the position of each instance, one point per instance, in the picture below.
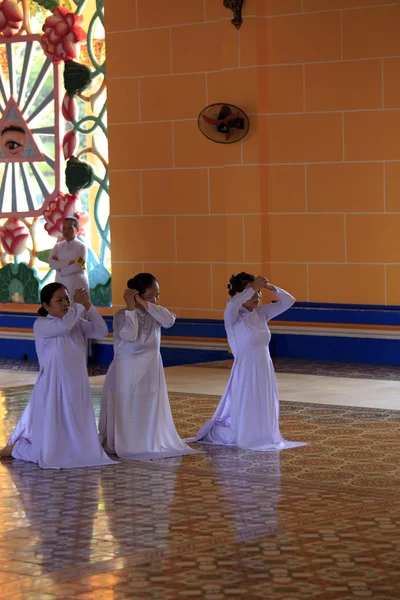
{"points": [[259, 283], [140, 303], [82, 296], [130, 298]]}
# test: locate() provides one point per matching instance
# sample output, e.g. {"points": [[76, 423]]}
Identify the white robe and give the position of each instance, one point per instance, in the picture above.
{"points": [[72, 276], [248, 413], [135, 417], [57, 429]]}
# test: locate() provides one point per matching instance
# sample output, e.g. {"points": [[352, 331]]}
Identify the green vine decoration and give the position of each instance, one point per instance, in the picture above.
{"points": [[90, 125]]}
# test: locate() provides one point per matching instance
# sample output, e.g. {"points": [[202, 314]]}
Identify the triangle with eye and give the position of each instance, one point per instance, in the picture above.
{"points": [[17, 143]]}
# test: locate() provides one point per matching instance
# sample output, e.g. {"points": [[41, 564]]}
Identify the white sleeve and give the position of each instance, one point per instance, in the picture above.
{"points": [[126, 325], [94, 326], [232, 308], [75, 268], [161, 315], [286, 300], [56, 264], [45, 327]]}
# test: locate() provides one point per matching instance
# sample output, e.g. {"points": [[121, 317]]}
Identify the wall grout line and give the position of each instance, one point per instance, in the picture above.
{"points": [[234, 165], [384, 187], [211, 287], [220, 311], [253, 214], [209, 190], [343, 144], [306, 187], [239, 48], [139, 103], [385, 283], [341, 35], [238, 262], [262, 114], [345, 237], [252, 17], [244, 237], [137, 15], [257, 66], [275, 262], [173, 144], [176, 240], [170, 51], [140, 191]]}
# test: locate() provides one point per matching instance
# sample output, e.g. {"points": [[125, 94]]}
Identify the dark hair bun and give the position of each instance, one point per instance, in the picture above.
{"points": [[141, 282], [42, 312], [239, 282]]}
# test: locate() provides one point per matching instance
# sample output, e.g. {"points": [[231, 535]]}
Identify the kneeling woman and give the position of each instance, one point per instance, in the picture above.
{"points": [[57, 430], [135, 418], [248, 414]]}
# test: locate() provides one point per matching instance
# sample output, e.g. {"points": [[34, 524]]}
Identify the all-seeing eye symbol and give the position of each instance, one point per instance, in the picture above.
{"points": [[13, 140]]}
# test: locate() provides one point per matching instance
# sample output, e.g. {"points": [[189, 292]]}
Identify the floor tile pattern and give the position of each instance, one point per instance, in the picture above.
{"points": [[319, 522]]}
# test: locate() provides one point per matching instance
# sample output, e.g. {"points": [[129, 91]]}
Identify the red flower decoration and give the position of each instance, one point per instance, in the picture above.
{"points": [[14, 236], [69, 108], [11, 18], [62, 35], [70, 143]]}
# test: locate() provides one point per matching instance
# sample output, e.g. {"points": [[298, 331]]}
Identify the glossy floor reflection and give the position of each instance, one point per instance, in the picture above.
{"points": [[319, 522]]}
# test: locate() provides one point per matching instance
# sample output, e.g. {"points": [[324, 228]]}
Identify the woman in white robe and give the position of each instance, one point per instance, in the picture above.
{"points": [[135, 417], [68, 258], [58, 430], [248, 413]]}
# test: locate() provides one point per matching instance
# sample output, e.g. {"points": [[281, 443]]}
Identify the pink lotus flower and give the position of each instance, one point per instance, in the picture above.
{"points": [[83, 218], [69, 108], [62, 35], [14, 236], [11, 18], [64, 206]]}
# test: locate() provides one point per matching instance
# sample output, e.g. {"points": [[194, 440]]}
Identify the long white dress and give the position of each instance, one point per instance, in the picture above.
{"points": [[248, 413], [57, 429], [135, 417], [72, 276]]}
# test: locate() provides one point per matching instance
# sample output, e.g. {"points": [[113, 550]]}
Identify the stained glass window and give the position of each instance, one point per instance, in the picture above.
{"points": [[52, 118]]}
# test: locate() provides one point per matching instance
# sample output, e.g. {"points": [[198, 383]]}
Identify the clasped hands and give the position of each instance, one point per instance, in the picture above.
{"points": [[82, 296]]}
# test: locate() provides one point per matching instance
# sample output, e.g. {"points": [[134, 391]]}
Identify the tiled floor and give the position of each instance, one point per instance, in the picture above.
{"points": [[319, 522]]}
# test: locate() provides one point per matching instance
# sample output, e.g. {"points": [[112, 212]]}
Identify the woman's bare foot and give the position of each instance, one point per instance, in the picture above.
{"points": [[7, 451]]}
